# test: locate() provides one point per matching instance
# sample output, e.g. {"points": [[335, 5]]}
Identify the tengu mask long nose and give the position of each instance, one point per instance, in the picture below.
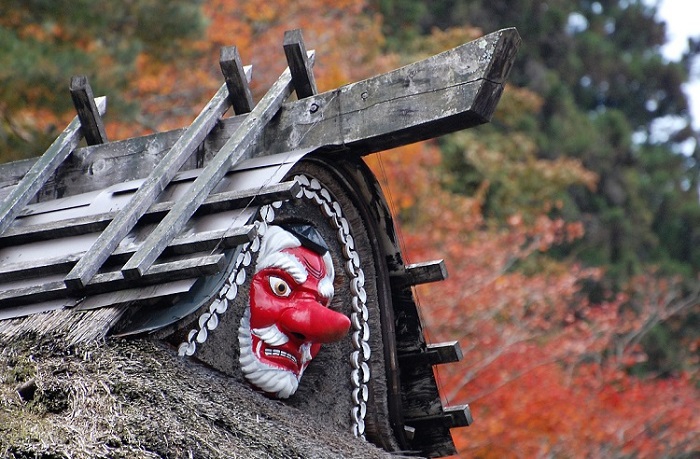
{"points": [[314, 322]]}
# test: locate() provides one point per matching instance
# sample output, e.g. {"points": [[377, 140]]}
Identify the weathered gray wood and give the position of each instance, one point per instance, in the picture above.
{"points": [[42, 169], [444, 93], [238, 147], [91, 124], [199, 242], [422, 273], [114, 280], [237, 79], [449, 92], [299, 64], [218, 202], [148, 192], [434, 354], [452, 416]]}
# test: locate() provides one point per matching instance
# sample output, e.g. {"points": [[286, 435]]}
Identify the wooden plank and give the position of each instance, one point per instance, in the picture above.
{"points": [[114, 280], [421, 273], [405, 106], [91, 124], [218, 202], [299, 64], [134, 296], [237, 78], [238, 147], [452, 416], [447, 92], [42, 169], [199, 242], [434, 354], [148, 192]]}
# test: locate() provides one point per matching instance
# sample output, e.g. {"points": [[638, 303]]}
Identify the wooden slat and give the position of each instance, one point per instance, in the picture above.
{"points": [[40, 172], [299, 65], [435, 354], [148, 192], [238, 147], [452, 416], [114, 280], [421, 273], [218, 202], [199, 242], [237, 78], [91, 124]]}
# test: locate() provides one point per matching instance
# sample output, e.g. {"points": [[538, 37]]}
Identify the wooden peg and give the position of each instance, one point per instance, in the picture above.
{"points": [[237, 78], [299, 64], [91, 125]]}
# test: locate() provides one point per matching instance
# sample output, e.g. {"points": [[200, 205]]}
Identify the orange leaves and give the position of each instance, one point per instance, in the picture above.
{"points": [[544, 370], [172, 92]]}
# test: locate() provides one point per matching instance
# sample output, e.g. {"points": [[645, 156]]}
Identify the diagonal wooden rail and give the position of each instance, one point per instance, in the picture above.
{"points": [[237, 148], [43, 168], [149, 191]]}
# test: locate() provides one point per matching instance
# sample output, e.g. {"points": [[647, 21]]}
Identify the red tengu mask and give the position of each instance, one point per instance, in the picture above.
{"points": [[288, 317]]}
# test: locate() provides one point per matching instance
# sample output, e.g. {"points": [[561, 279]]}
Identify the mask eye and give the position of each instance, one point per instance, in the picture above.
{"points": [[279, 287]]}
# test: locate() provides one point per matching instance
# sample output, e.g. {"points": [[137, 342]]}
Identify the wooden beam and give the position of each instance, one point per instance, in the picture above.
{"points": [[91, 124], [149, 191], [42, 169], [238, 147], [435, 354], [114, 280], [186, 245], [237, 78], [452, 416], [299, 64], [218, 202], [444, 93], [448, 92], [421, 273]]}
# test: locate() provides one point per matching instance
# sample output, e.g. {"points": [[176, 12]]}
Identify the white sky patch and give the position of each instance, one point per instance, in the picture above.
{"points": [[682, 19]]}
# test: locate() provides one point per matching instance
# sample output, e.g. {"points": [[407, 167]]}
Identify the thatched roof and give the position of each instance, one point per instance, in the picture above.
{"points": [[138, 399]]}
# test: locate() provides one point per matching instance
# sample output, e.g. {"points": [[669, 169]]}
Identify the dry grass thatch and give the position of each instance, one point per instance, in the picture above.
{"points": [[137, 399]]}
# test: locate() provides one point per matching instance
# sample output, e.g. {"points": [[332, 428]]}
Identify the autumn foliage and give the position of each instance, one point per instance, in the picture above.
{"points": [[546, 372]]}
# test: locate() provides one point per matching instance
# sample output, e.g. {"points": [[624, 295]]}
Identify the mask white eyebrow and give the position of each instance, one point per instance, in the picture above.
{"points": [[286, 262]]}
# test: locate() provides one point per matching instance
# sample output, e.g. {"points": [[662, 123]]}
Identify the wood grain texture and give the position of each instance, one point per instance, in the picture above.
{"points": [[217, 202], [238, 147], [42, 169], [237, 78], [114, 280], [448, 92], [148, 192], [91, 124], [199, 242], [299, 64]]}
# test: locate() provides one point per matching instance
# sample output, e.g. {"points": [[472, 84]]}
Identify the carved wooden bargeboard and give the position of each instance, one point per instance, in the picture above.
{"points": [[259, 244]]}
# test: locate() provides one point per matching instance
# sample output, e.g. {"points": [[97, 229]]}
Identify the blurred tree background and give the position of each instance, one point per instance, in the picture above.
{"points": [[570, 224]]}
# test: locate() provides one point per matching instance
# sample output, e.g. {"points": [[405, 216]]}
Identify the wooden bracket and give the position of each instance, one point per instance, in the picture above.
{"points": [[421, 273], [451, 416], [91, 123], [435, 354], [300, 64], [237, 78]]}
